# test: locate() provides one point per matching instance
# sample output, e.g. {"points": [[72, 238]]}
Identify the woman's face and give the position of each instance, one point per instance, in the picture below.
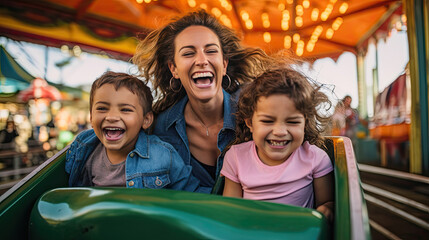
{"points": [[199, 62]]}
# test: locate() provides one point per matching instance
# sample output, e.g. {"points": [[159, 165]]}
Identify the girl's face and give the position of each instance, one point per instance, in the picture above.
{"points": [[199, 63], [277, 128]]}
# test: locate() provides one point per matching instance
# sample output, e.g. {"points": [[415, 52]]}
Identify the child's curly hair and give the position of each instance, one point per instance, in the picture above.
{"points": [[306, 95]]}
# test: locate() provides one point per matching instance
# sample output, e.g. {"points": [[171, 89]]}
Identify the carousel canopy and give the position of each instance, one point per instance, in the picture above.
{"points": [[14, 78], [309, 28]]}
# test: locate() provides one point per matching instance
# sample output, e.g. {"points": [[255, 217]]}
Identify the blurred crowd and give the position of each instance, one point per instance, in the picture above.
{"points": [[37, 130]]}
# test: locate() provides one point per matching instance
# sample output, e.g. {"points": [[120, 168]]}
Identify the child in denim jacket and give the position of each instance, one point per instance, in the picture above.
{"points": [[117, 151]]}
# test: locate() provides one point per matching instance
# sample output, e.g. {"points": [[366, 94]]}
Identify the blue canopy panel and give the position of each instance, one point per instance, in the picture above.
{"points": [[13, 77]]}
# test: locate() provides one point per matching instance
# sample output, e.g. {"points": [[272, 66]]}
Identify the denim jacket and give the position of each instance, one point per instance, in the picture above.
{"points": [[152, 164], [171, 127]]}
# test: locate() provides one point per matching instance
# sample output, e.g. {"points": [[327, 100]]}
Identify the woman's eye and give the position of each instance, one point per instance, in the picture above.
{"points": [[126, 110], [101, 108], [187, 54], [266, 121], [214, 50]]}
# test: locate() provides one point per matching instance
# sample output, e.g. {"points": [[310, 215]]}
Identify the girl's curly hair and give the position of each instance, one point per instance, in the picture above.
{"points": [[306, 95]]}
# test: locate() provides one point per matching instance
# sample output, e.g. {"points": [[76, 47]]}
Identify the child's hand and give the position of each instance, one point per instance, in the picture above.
{"points": [[326, 209]]}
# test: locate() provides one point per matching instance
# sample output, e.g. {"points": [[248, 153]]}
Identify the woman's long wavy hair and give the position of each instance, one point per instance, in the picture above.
{"points": [[155, 52], [306, 95]]}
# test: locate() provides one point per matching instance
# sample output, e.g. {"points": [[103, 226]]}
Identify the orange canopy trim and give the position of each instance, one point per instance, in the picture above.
{"points": [[308, 28]]}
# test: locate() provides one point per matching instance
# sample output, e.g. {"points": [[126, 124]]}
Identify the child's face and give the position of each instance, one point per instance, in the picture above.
{"points": [[277, 128], [117, 118]]}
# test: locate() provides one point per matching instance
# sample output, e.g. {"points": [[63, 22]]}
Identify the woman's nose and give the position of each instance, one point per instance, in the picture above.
{"points": [[201, 59]]}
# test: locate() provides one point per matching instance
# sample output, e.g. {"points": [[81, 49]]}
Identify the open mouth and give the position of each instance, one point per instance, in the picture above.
{"points": [[278, 143], [203, 79], [113, 134]]}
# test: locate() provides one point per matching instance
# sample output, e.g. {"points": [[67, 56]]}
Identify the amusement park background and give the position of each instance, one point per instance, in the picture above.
{"points": [[45, 79]]}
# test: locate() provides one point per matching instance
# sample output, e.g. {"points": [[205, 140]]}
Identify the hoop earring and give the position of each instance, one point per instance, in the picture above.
{"points": [[171, 86], [229, 79]]}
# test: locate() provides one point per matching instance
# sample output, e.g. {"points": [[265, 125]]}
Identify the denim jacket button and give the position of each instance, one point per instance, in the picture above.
{"points": [[131, 183], [158, 182], [132, 155]]}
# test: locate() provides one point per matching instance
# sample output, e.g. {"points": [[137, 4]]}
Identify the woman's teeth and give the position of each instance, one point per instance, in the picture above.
{"points": [[203, 78], [202, 75]]}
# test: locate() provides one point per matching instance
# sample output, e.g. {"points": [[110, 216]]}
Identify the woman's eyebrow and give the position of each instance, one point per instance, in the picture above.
{"points": [[193, 47], [187, 46]]}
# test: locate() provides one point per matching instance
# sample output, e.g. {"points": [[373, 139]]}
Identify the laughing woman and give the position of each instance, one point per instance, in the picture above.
{"points": [[196, 66]]}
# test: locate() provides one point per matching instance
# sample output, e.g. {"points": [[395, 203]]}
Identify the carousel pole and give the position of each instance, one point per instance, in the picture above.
{"points": [[418, 36], [362, 93]]}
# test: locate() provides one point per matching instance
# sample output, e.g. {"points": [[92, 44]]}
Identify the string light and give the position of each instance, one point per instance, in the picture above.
{"points": [[287, 42], [225, 4], [286, 15], [343, 8], [296, 37], [310, 46], [306, 3], [192, 3], [285, 25], [139, 1], [216, 12], [329, 33], [337, 23], [244, 15], [299, 21], [267, 37], [299, 10], [203, 6], [249, 24], [300, 48], [265, 20], [314, 14]]}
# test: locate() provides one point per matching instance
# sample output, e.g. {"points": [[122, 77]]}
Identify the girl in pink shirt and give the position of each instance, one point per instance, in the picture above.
{"points": [[277, 153]]}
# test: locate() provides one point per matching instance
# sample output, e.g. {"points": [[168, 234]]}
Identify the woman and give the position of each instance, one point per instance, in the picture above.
{"points": [[196, 66]]}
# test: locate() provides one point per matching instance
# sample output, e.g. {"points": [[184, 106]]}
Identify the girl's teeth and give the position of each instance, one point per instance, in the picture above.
{"points": [[277, 143]]}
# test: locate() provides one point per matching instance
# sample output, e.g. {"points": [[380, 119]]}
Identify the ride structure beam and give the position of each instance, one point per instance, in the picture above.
{"points": [[418, 36]]}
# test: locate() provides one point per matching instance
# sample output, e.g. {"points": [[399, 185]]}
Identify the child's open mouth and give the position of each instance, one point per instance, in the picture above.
{"points": [[113, 134], [278, 143], [203, 79]]}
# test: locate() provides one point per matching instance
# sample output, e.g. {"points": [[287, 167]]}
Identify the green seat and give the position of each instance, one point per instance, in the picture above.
{"points": [[41, 206]]}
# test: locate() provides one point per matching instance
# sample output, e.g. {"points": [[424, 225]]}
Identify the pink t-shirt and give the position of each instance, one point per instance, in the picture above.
{"points": [[287, 183]]}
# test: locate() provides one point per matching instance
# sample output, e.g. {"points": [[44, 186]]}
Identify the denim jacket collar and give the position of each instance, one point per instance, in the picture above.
{"points": [[142, 145], [175, 112]]}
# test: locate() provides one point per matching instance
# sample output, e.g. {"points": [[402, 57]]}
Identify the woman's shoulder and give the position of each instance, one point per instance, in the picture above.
{"points": [[170, 115]]}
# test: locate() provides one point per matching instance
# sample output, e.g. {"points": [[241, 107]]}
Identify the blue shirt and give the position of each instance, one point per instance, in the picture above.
{"points": [[171, 127], [152, 164]]}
